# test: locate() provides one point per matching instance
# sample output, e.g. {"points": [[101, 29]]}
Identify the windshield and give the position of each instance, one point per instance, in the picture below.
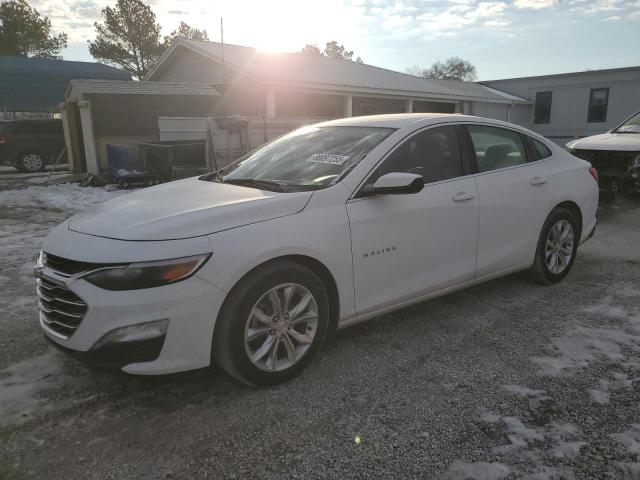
{"points": [[307, 159], [631, 125]]}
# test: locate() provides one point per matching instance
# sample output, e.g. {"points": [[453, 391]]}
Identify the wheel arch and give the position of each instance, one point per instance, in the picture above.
{"points": [[575, 209], [319, 269]]}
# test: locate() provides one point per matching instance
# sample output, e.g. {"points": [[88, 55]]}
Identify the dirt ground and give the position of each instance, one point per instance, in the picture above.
{"points": [[504, 380]]}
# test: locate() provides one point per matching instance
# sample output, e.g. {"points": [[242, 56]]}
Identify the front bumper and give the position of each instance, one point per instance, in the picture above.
{"points": [[117, 355], [191, 308]]}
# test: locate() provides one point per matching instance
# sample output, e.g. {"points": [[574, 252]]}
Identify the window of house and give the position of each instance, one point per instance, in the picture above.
{"points": [[433, 153], [542, 109], [598, 101], [496, 147]]}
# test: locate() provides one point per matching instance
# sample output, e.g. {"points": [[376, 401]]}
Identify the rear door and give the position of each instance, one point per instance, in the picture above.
{"points": [[411, 244], [515, 191]]}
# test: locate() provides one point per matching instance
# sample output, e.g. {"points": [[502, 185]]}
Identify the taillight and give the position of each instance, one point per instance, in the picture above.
{"points": [[594, 174], [3, 137]]}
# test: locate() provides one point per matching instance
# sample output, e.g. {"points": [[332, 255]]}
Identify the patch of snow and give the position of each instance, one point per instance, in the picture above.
{"points": [[632, 469], [519, 435], [629, 439], [22, 383], [477, 471], [64, 196], [536, 397]]}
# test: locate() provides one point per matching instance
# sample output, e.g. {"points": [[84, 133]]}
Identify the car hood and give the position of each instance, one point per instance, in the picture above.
{"points": [[624, 142], [184, 209]]}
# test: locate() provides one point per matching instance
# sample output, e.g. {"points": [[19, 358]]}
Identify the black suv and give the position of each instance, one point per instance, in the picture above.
{"points": [[29, 144]]}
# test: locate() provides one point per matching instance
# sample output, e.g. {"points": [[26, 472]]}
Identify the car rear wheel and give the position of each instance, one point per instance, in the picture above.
{"points": [[272, 324], [31, 162], [557, 247]]}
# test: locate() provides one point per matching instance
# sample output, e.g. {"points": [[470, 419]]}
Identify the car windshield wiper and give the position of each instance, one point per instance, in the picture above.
{"points": [[255, 183]]}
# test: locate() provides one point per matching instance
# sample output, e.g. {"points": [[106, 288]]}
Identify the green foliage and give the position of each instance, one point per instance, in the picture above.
{"points": [[186, 31], [24, 33], [128, 38], [311, 49], [332, 50]]}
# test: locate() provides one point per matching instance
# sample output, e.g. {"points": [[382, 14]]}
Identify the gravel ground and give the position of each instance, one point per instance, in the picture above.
{"points": [[504, 380]]}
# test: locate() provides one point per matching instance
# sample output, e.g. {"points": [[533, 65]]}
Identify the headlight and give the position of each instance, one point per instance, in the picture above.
{"points": [[136, 276]]}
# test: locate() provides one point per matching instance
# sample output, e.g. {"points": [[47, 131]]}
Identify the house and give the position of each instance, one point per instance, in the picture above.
{"points": [[96, 113], [274, 92], [294, 85], [35, 87], [573, 105]]}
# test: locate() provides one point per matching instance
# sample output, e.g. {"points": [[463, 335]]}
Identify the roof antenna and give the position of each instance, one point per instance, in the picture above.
{"points": [[224, 70]]}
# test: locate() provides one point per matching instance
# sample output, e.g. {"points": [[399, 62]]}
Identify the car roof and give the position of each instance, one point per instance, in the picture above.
{"points": [[400, 120]]}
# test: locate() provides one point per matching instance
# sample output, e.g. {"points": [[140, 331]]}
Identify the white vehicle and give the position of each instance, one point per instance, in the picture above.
{"points": [[615, 155], [322, 228]]}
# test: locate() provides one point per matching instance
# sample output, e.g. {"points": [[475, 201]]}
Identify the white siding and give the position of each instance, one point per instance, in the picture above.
{"points": [[497, 111], [570, 101]]}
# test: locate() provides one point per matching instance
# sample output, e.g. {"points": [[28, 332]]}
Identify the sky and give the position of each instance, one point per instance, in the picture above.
{"points": [[503, 39]]}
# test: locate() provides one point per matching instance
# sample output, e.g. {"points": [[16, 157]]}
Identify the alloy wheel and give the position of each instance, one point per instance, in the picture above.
{"points": [[559, 247], [281, 327]]}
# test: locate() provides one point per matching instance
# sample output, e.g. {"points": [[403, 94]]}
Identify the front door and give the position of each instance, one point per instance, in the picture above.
{"points": [[410, 244]]}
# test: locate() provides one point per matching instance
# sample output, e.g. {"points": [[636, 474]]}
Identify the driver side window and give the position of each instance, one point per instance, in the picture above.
{"points": [[433, 153]]}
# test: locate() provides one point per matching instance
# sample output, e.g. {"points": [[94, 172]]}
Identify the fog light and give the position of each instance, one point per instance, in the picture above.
{"points": [[134, 333]]}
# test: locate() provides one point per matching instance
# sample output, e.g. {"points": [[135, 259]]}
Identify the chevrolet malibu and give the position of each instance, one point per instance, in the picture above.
{"points": [[252, 266]]}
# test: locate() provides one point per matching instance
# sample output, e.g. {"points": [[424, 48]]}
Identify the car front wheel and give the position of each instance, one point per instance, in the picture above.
{"points": [[557, 247], [31, 162], [272, 324]]}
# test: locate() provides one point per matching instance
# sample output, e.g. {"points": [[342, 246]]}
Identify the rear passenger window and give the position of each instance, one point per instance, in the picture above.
{"points": [[433, 153], [496, 147], [540, 150]]}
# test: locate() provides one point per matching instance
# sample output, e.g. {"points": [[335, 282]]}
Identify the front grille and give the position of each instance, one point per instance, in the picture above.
{"points": [[61, 309], [608, 160], [68, 268]]}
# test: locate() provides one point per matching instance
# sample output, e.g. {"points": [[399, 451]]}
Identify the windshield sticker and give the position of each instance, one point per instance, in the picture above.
{"points": [[328, 158]]}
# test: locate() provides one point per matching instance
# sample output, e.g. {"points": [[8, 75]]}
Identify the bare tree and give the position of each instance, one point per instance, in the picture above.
{"points": [[453, 68]]}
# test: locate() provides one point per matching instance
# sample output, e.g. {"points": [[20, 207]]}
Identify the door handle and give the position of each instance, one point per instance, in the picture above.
{"points": [[463, 197], [538, 181]]}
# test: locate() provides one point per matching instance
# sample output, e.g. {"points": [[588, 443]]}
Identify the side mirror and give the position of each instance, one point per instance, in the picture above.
{"points": [[398, 183]]}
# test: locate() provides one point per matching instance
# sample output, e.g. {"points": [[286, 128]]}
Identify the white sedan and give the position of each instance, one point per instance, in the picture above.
{"points": [[324, 227]]}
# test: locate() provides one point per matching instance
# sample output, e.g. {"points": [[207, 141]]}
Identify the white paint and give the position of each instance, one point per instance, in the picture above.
{"points": [[620, 142], [245, 227]]}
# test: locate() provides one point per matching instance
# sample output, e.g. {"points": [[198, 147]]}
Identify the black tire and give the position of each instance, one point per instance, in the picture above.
{"points": [[228, 346], [540, 272], [31, 162], [124, 184]]}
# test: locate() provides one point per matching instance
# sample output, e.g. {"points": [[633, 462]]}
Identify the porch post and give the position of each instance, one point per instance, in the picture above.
{"points": [[90, 155], [271, 103], [348, 108], [409, 106]]}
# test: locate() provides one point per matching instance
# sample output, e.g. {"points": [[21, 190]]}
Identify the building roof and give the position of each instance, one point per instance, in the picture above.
{"points": [[142, 88], [329, 73], [568, 74], [38, 85]]}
